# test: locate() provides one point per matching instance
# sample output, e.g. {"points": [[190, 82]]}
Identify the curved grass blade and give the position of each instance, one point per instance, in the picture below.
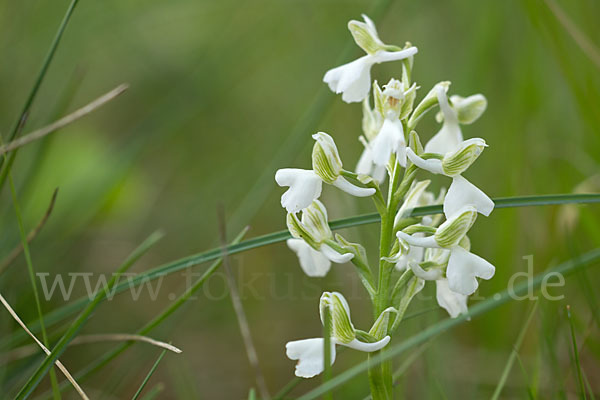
{"points": [[147, 378], [72, 331], [566, 268], [276, 237]]}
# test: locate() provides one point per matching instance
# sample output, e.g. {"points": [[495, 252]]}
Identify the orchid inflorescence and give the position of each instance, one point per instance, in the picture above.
{"points": [[413, 250]]}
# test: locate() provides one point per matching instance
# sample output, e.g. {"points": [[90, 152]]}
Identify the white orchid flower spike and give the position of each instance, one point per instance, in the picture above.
{"points": [[461, 191], [353, 79], [463, 267], [306, 185], [309, 352]]}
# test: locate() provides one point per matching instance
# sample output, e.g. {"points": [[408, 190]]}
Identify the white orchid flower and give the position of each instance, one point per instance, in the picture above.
{"points": [[310, 236], [462, 111], [450, 136], [390, 140], [353, 79], [306, 185], [461, 191], [309, 352], [463, 267]]}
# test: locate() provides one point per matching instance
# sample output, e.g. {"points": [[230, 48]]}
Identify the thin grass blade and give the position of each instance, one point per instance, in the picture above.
{"points": [[147, 378]]}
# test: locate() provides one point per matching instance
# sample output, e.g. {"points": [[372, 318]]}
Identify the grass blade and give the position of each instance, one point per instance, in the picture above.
{"points": [[30, 236], [39, 373], [147, 378], [60, 365], [154, 392], [239, 311], [20, 122], [276, 237], [566, 268], [64, 121], [582, 391], [513, 354], [30, 270]]}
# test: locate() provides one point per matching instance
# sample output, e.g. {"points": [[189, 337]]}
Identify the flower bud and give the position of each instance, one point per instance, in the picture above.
{"points": [[325, 158], [341, 326], [457, 162], [365, 35], [451, 232], [469, 109]]}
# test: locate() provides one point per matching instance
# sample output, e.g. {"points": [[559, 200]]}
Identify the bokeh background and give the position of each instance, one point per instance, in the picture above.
{"points": [[223, 93]]}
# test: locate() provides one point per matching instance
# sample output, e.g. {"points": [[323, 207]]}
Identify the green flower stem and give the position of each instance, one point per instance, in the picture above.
{"points": [[380, 377], [379, 382]]}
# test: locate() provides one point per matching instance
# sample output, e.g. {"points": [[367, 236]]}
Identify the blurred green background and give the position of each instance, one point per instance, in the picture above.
{"points": [[223, 93]]}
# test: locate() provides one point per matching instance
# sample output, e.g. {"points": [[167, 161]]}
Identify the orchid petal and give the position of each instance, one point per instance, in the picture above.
{"points": [[432, 165], [309, 353], [312, 262], [463, 270], [368, 347], [454, 303], [461, 193], [304, 187], [334, 256], [342, 184]]}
